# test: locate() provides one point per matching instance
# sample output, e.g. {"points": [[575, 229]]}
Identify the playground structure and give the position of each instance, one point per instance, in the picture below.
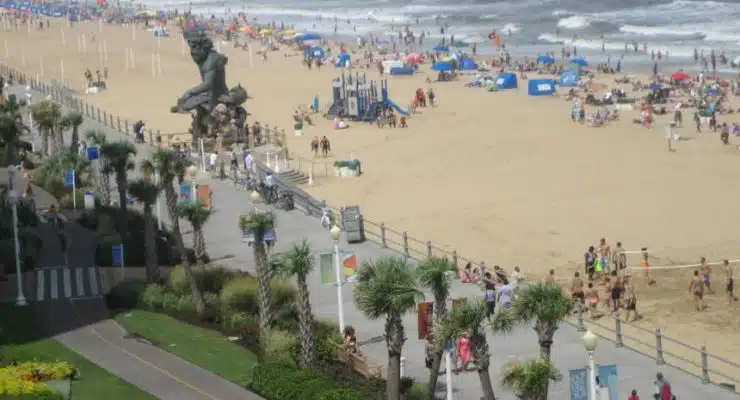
{"points": [[356, 98]]}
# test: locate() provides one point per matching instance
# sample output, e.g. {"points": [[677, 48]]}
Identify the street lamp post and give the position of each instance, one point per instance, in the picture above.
{"points": [[13, 198], [335, 233], [590, 341]]}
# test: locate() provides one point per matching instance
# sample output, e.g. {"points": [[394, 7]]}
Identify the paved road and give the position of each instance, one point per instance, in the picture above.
{"points": [[82, 323], [224, 242]]}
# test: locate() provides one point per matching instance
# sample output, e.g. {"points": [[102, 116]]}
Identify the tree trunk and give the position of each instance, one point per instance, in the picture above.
{"points": [[440, 310], [199, 244], [485, 384], [152, 267], [263, 278], [394, 340], [305, 322], [102, 184], [44, 141], [73, 146], [171, 196], [545, 350], [121, 179]]}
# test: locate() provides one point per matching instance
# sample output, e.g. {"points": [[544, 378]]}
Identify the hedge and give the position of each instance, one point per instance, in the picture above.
{"points": [[28, 380], [210, 279], [282, 381]]}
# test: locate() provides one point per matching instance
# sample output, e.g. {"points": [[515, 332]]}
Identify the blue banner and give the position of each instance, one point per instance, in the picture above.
{"points": [[186, 193], [579, 384], [608, 378]]}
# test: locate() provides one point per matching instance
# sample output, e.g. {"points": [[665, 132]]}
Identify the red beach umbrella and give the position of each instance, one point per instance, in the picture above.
{"points": [[680, 76]]}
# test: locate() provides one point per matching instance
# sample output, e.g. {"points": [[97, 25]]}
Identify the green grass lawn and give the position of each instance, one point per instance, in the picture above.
{"points": [[203, 347], [20, 339]]}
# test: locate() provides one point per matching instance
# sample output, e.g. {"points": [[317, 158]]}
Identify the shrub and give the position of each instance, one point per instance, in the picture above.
{"points": [[153, 297], [281, 346], [67, 199], [242, 295], [27, 380], [126, 294], [210, 279], [170, 302], [281, 381]]}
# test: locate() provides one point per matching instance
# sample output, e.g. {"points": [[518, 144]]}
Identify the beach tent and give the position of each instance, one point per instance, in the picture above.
{"points": [[343, 60], [390, 64], [507, 80], [655, 86], [541, 87], [443, 66], [579, 61], [569, 79], [402, 71], [468, 64], [308, 36], [680, 76], [441, 49], [546, 60], [315, 52]]}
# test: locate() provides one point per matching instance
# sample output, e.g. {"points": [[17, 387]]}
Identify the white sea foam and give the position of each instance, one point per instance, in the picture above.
{"points": [[596, 44], [657, 30], [511, 28], [575, 22]]}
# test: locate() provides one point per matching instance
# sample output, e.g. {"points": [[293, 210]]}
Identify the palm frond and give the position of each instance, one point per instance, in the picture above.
{"points": [[257, 222], [543, 301], [386, 286], [470, 317], [195, 212], [529, 379], [298, 261], [435, 274], [144, 191]]}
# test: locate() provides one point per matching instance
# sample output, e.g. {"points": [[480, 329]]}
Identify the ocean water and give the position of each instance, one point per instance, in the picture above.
{"points": [[598, 28]]}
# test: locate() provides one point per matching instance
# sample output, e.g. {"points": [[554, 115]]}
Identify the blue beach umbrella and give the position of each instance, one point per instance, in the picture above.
{"points": [[579, 61], [546, 60], [441, 49], [308, 36], [655, 86]]}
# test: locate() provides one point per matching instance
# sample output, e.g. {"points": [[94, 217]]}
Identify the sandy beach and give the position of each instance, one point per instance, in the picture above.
{"points": [[502, 177]]}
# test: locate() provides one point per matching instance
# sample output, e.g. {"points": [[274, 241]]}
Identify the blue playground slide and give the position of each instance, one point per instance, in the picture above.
{"points": [[396, 107]]}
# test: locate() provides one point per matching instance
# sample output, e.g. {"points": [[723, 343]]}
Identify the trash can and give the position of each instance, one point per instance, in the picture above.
{"points": [[352, 224]]}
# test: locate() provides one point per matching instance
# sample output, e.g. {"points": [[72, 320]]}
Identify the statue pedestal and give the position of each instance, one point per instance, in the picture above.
{"points": [[346, 172], [298, 132]]}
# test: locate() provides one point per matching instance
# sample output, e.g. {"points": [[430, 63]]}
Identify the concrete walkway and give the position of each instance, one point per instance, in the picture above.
{"points": [[224, 242]]}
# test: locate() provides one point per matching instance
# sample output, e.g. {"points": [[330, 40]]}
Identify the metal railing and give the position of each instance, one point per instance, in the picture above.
{"points": [[698, 361], [661, 348]]}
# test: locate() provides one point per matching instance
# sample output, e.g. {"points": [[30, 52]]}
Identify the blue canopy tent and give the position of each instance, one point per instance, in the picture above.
{"points": [[315, 52], [507, 80], [569, 79], [308, 36], [441, 49], [402, 71], [443, 66], [468, 64], [655, 86], [546, 60], [342, 60], [541, 87], [579, 61]]}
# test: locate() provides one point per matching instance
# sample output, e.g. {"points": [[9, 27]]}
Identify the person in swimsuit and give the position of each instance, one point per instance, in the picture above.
{"points": [[489, 294], [645, 264], [604, 254], [696, 288], [608, 294], [630, 302], [550, 278], [729, 283], [619, 257], [705, 270], [592, 297], [617, 290], [576, 289], [590, 262]]}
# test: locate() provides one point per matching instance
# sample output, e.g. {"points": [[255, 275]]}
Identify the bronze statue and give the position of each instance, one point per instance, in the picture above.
{"points": [[211, 102]]}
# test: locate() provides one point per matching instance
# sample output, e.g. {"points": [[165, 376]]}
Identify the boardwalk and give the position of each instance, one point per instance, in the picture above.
{"points": [[224, 242]]}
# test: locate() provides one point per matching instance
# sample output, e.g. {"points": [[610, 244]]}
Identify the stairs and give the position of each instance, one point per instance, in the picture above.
{"points": [[294, 177]]}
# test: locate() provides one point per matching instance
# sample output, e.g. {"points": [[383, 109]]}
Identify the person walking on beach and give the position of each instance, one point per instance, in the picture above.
{"points": [[677, 115], [315, 146], [696, 289], [590, 262], [705, 270], [489, 294], [325, 146], [630, 302], [619, 257], [729, 283], [576, 289], [645, 265]]}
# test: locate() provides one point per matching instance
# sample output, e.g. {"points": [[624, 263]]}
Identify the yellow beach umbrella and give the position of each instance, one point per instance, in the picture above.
{"points": [[266, 31], [246, 29], [287, 32], [445, 59]]}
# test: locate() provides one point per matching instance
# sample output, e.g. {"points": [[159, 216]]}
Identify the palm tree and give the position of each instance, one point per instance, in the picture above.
{"points": [[434, 274], [9, 138], [102, 179], [51, 123], [168, 166], [118, 161], [147, 192], [258, 224], [11, 105], [298, 262], [471, 318], [74, 120], [387, 287], [51, 172], [529, 379], [545, 304], [197, 214]]}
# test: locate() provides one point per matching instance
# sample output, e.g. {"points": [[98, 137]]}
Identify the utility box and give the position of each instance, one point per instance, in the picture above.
{"points": [[352, 224]]}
